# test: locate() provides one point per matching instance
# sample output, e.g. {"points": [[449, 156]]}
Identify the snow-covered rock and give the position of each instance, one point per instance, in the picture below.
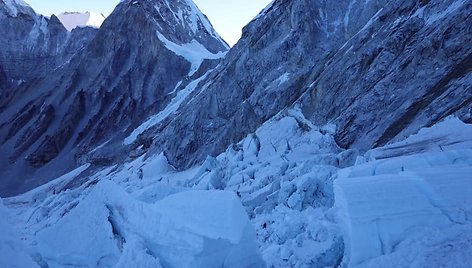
{"points": [[32, 45], [14, 7], [72, 20]]}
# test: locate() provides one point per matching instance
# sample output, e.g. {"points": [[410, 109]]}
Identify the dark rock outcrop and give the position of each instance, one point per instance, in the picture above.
{"points": [[378, 70], [96, 86]]}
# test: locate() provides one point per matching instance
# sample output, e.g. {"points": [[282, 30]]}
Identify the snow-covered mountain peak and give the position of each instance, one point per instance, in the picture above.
{"points": [[72, 20], [141, 61], [188, 14], [13, 7], [179, 21]]}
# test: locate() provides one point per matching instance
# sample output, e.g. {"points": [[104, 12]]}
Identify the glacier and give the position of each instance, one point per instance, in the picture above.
{"points": [[333, 134], [423, 190], [269, 200]]}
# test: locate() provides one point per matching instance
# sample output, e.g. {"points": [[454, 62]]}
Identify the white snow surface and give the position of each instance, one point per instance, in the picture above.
{"points": [[193, 52], [13, 252], [305, 203], [72, 20], [410, 199]]}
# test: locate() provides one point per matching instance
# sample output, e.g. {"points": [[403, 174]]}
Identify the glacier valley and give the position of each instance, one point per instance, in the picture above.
{"points": [[333, 134]]}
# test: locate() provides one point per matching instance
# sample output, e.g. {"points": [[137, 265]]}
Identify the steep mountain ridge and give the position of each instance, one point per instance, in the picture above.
{"points": [[28, 40], [210, 110], [32, 45], [407, 69], [133, 66], [246, 89], [340, 61]]}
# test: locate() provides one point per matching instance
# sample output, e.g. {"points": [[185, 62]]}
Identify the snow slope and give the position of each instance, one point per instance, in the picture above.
{"points": [[72, 20], [194, 52], [171, 108]]}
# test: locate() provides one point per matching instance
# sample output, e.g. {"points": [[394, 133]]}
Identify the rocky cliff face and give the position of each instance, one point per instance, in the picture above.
{"points": [[378, 70], [281, 52], [30, 42], [136, 62], [408, 68], [361, 65], [32, 46]]}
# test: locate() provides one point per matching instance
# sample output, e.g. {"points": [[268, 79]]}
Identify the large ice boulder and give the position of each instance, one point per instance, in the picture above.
{"points": [[378, 212], [190, 229]]}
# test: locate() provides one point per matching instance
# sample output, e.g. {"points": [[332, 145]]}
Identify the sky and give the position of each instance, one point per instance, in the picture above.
{"points": [[227, 16]]}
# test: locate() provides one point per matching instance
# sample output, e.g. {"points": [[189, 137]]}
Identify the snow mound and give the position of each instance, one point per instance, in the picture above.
{"points": [[188, 229], [72, 20]]}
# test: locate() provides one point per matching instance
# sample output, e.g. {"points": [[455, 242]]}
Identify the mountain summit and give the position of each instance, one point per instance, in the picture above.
{"points": [[72, 20], [142, 56]]}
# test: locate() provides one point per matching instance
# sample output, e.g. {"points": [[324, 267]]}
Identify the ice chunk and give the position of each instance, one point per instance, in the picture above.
{"points": [[210, 225], [379, 212], [85, 236], [135, 255], [187, 229]]}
